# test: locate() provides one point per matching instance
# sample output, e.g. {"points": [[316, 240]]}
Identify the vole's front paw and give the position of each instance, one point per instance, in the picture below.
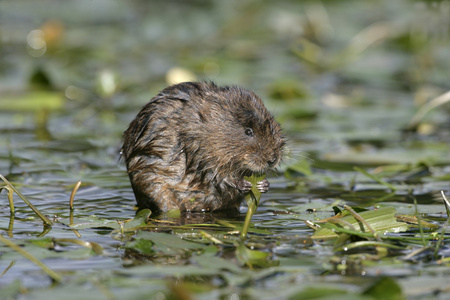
{"points": [[263, 185], [244, 185]]}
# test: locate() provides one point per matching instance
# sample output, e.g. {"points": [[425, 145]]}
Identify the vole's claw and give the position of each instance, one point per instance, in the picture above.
{"points": [[244, 185], [263, 185]]}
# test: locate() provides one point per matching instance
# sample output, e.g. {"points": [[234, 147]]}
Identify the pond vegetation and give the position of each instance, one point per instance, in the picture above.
{"points": [[357, 210]]}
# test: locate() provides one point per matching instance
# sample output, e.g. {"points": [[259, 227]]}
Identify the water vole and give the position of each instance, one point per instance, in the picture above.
{"points": [[192, 144]]}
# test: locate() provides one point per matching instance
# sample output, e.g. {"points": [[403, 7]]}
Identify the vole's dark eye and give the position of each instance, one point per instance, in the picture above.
{"points": [[249, 131]]}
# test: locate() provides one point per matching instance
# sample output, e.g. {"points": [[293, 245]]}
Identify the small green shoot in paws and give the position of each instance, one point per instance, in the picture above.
{"points": [[252, 198]]}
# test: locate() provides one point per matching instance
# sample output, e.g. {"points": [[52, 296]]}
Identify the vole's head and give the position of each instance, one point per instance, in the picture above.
{"points": [[257, 134], [237, 133]]}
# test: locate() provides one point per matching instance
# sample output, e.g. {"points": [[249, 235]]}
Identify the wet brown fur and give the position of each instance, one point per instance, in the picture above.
{"points": [[188, 148]]}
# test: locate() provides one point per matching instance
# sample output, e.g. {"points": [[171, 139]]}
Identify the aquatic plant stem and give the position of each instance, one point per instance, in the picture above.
{"points": [[252, 199], [424, 243], [248, 217], [40, 215], [427, 107], [373, 177], [210, 237], [72, 195], [444, 227], [11, 226], [447, 204], [7, 268], [11, 200], [33, 259]]}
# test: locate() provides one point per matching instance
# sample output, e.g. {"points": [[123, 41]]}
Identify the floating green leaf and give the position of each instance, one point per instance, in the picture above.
{"points": [[165, 243], [385, 288], [320, 293], [382, 220], [254, 258]]}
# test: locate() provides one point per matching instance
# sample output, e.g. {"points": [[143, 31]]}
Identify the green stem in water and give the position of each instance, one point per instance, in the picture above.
{"points": [[40, 215], [248, 217], [32, 258], [72, 195]]}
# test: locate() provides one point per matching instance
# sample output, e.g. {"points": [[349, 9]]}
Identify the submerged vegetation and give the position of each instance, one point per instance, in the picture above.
{"points": [[358, 208]]}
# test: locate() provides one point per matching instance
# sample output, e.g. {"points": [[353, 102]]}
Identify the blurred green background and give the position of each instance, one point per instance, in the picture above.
{"points": [[325, 69], [301, 57]]}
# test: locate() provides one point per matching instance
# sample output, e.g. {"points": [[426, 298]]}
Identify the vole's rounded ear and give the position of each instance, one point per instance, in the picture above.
{"points": [[181, 95], [181, 91]]}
